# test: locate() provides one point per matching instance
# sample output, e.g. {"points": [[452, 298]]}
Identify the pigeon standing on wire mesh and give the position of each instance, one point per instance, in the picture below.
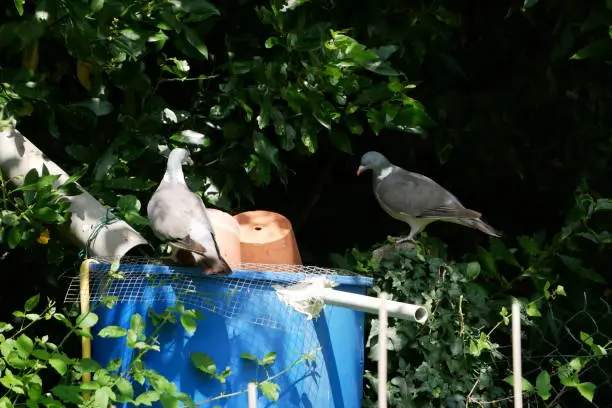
{"points": [[416, 199], [178, 216]]}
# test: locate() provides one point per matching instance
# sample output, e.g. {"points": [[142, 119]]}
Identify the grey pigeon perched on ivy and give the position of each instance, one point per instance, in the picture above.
{"points": [[178, 216], [416, 199]]}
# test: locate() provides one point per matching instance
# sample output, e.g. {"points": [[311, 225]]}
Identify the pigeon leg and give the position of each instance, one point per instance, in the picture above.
{"points": [[401, 240]]}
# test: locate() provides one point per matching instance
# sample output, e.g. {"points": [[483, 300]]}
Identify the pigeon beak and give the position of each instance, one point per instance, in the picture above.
{"points": [[360, 170]]}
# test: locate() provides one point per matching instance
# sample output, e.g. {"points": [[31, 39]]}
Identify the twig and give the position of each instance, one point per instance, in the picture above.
{"points": [[275, 376]]}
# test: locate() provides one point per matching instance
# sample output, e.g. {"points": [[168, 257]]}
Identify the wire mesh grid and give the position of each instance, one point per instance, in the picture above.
{"points": [[241, 300], [573, 348], [136, 276]]}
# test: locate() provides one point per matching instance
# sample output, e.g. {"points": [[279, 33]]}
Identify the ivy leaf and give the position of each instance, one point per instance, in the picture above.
{"points": [[268, 359], [194, 39], [341, 141], [270, 390], [472, 271], [147, 398], [266, 149], [587, 390], [204, 363], [526, 386], [543, 385], [137, 323], [19, 6], [112, 332], [532, 310], [31, 303], [87, 320], [248, 356], [98, 106], [96, 5], [59, 364], [125, 388], [188, 323], [597, 48]]}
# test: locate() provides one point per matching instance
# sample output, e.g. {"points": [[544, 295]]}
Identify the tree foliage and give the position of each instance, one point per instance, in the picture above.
{"points": [[506, 104]]}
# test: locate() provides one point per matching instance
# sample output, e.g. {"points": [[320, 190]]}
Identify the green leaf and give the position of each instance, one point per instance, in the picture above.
{"points": [[96, 5], [98, 106], [147, 398], [248, 356], [597, 48], [5, 402], [543, 385], [194, 39], [59, 364], [68, 393], [125, 388], [270, 390], [268, 359], [204, 363], [128, 203], [14, 237], [532, 310], [31, 303], [19, 6], [87, 320], [472, 271], [526, 386], [587, 390], [24, 346], [487, 260], [341, 141], [500, 251], [529, 3], [129, 183], [112, 332], [560, 290], [271, 42], [189, 323], [266, 149], [102, 396], [137, 323], [46, 214]]}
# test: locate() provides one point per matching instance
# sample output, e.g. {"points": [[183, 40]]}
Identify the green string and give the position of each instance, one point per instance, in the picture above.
{"points": [[107, 219]]}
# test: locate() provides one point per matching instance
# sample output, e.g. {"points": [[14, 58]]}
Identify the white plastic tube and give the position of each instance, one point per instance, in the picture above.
{"points": [[382, 351], [372, 305], [517, 373], [18, 156], [252, 395]]}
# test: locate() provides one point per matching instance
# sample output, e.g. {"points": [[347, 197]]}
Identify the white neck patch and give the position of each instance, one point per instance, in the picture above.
{"points": [[385, 172]]}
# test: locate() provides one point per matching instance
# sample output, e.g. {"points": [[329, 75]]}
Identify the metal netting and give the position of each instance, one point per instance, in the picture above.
{"points": [[142, 279], [243, 310]]}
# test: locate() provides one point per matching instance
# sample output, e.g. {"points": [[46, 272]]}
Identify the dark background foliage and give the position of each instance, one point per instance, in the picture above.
{"points": [[506, 104]]}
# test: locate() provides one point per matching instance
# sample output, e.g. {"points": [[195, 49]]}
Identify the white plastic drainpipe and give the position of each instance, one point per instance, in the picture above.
{"points": [[372, 305], [18, 156]]}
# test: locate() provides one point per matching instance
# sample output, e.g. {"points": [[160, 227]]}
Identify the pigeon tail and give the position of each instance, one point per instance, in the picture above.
{"points": [[215, 266], [478, 224]]}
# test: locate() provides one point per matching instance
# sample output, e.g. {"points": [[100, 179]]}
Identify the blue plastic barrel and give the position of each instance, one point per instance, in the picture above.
{"points": [[242, 314]]}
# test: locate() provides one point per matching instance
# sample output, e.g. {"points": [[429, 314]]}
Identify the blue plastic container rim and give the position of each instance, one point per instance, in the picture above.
{"points": [[252, 275]]}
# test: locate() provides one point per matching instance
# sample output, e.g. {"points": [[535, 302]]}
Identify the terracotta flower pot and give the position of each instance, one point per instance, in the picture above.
{"points": [[227, 233], [267, 237]]}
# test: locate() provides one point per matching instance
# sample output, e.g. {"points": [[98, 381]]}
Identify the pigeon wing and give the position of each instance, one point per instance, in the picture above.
{"points": [[404, 192]]}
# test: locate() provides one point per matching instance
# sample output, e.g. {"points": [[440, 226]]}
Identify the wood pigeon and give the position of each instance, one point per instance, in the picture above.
{"points": [[178, 216], [416, 199]]}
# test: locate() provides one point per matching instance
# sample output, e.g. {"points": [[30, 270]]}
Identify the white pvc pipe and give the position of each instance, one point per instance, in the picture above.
{"points": [[516, 354], [372, 305], [18, 156], [382, 351], [252, 395]]}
